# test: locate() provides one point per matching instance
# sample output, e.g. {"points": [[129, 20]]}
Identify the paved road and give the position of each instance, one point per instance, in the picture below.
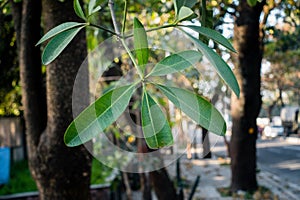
{"points": [[279, 161], [275, 156], [280, 158]]}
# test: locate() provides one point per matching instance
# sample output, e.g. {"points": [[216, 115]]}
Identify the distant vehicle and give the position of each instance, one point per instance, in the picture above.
{"points": [[273, 131], [290, 119]]}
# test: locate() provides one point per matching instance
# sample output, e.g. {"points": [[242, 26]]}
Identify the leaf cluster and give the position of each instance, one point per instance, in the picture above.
{"points": [[109, 107]]}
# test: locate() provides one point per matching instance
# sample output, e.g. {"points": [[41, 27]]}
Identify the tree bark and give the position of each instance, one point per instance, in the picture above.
{"points": [[161, 182], [163, 186], [245, 110], [33, 95], [70, 167], [61, 173], [206, 144]]}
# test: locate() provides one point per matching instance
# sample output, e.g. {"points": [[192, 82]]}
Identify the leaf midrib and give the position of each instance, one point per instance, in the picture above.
{"points": [[215, 36], [150, 115], [192, 109], [48, 35], [60, 48], [171, 66], [96, 119]]}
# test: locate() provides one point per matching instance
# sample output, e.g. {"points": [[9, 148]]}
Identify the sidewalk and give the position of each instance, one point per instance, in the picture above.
{"points": [[215, 175], [292, 139]]}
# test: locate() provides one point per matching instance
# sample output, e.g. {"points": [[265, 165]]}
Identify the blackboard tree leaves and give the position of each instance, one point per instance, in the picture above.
{"points": [[106, 109]]}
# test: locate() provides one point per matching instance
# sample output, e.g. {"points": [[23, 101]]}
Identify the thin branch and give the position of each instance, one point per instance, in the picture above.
{"points": [[155, 29], [268, 11], [203, 13], [203, 19], [293, 22], [132, 58], [161, 27], [124, 16], [113, 16], [117, 30], [225, 10], [103, 28]]}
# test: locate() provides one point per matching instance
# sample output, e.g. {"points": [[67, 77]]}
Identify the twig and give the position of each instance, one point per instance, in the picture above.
{"points": [[203, 14], [154, 29], [124, 16], [127, 186], [132, 58], [103, 28], [113, 16]]}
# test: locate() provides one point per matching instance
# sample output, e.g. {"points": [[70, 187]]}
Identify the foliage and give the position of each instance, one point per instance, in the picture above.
{"points": [[106, 109], [100, 173], [282, 51], [10, 97], [21, 180], [283, 15]]}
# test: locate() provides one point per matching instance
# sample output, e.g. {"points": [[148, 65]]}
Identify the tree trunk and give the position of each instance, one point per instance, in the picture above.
{"points": [[161, 182], [61, 173], [245, 110], [163, 186], [146, 186], [206, 144], [33, 96]]}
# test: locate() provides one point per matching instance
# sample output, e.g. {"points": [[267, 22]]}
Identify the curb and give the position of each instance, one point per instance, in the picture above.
{"points": [[294, 140], [284, 191]]}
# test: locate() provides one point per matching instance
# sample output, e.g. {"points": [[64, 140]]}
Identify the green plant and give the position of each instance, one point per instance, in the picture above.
{"points": [[112, 104], [21, 180], [100, 172]]}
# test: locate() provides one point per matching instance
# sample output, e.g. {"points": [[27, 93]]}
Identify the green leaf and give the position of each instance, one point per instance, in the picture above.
{"points": [[78, 10], [176, 62], [179, 3], [96, 9], [91, 7], [212, 34], [184, 13], [219, 64], [155, 126], [98, 116], [197, 108], [140, 43], [252, 3], [58, 44], [59, 29]]}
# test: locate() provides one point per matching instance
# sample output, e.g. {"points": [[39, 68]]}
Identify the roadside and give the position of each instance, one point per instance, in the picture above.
{"points": [[215, 173], [294, 139]]}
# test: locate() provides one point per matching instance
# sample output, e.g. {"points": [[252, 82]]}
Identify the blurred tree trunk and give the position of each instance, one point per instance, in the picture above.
{"points": [[33, 96], [206, 144], [248, 43], [159, 179], [162, 185], [61, 173]]}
